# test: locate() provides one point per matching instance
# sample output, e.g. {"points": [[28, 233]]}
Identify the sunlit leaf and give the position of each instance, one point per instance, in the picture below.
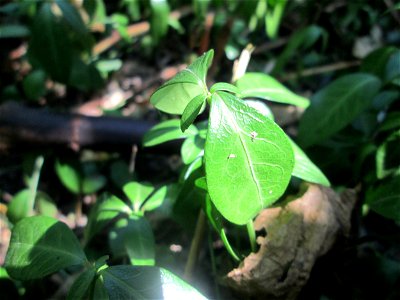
{"points": [[259, 85], [249, 154], [174, 95], [40, 246], [191, 111]]}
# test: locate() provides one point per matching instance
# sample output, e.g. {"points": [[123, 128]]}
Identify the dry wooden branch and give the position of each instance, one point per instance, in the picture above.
{"points": [[298, 232]]}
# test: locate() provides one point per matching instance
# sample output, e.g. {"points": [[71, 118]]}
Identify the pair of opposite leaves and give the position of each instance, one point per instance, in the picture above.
{"points": [[248, 158]]}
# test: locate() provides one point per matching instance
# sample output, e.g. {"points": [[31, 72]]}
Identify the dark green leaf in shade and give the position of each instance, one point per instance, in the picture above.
{"points": [[133, 237], [336, 105], [159, 19], [40, 246], [375, 63], [166, 131], [174, 95], [250, 154], [13, 31], [100, 292], [385, 198], [34, 84], [191, 111], [305, 169], [81, 288], [145, 282], [259, 85]]}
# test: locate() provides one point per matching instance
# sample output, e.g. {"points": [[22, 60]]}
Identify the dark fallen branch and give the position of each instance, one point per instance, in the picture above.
{"points": [[23, 125]]}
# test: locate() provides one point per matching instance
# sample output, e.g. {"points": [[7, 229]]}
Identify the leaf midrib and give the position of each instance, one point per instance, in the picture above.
{"points": [[249, 161]]}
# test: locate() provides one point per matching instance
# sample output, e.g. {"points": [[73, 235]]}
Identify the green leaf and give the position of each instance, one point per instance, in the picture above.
{"points": [[159, 19], [392, 71], [166, 131], [40, 246], [80, 289], [261, 107], [223, 86], [248, 159], [133, 8], [259, 85], [137, 193], [134, 238], [273, 17], [174, 95], [392, 121], [301, 40], [100, 291], [13, 31], [105, 211], [50, 45], [305, 169], [336, 105], [35, 84], [191, 111], [155, 200], [44, 205], [385, 199], [387, 156], [69, 176], [192, 148], [129, 282], [375, 63], [20, 206], [92, 183]]}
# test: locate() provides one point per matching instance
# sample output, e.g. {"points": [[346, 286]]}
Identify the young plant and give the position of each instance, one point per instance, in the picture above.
{"points": [[248, 159]]}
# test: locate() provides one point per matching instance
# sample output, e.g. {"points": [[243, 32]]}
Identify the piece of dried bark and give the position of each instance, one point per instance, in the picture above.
{"points": [[298, 232]]}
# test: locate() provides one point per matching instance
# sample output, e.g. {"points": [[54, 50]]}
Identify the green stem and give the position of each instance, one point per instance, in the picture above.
{"points": [[34, 182], [195, 246], [228, 246], [252, 235]]}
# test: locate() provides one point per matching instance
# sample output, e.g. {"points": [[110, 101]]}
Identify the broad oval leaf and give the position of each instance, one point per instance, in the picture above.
{"points": [[20, 206], [248, 159], [191, 111], [192, 148], [137, 193], [69, 175], [335, 106], [174, 95], [129, 282], [305, 169], [166, 131], [259, 85], [156, 199], [40, 246]]}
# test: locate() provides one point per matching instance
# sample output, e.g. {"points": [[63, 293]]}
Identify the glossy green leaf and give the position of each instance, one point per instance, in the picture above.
{"points": [[192, 148], [223, 86], [129, 282], [133, 237], [249, 154], [105, 211], [156, 199], [69, 176], [80, 289], [21, 206], [174, 95], [137, 193], [385, 198], [305, 169], [159, 19], [387, 156], [259, 85], [166, 131], [40, 246], [336, 105], [191, 111]]}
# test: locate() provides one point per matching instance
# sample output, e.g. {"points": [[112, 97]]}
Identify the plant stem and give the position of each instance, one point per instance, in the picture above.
{"points": [[228, 246], [34, 182], [252, 235], [195, 246]]}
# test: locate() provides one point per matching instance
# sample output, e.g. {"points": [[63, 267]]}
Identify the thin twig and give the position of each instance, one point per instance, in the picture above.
{"points": [[320, 70]]}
